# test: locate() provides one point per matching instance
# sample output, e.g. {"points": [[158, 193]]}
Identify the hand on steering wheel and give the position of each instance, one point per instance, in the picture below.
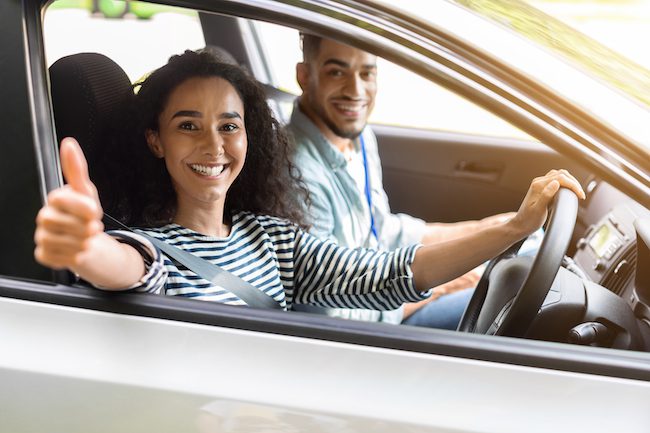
{"points": [[509, 315]]}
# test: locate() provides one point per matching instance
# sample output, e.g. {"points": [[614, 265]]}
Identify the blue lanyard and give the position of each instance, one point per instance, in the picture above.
{"points": [[373, 229]]}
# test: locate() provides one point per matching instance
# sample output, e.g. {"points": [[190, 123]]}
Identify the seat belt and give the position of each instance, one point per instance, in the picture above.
{"points": [[244, 290]]}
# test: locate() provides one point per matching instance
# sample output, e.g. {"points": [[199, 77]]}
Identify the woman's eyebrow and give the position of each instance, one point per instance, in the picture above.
{"points": [[187, 113], [191, 113], [230, 115]]}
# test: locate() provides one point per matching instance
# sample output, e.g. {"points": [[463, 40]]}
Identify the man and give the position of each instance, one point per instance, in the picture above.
{"points": [[337, 154]]}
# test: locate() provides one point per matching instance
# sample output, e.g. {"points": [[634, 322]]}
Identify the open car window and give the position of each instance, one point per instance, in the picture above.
{"points": [[138, 45], [406, 100]]}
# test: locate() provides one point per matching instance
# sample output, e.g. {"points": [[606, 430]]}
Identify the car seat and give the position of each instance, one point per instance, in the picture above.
{"points": [[89, 95]]}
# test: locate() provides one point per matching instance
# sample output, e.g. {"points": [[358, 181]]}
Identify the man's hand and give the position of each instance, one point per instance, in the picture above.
{"points": [[67, 225]]}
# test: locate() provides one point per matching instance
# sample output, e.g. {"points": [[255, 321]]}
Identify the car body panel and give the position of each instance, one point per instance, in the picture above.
{"points": [[125, 373]]}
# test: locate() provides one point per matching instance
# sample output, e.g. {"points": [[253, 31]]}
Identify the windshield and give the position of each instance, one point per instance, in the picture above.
{"points": [[605, 83]]}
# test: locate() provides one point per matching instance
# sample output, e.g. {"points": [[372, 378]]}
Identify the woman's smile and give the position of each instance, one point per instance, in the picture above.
{"points": [[212, 171]]}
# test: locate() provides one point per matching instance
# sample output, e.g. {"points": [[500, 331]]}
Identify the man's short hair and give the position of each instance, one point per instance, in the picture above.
{"points": [[310, 45]]}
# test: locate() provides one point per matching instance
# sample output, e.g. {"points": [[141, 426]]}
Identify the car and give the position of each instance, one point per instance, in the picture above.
{"points": [[574, 357]]}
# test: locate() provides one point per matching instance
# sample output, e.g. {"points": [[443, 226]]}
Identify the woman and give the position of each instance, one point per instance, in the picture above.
{"points": [[213, 178]]}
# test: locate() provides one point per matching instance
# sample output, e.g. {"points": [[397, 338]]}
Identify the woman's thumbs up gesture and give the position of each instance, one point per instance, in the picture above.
{"points": [[67, 224]]}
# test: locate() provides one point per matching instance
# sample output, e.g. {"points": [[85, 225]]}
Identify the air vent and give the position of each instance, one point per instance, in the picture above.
{"points": [[619, 276]]}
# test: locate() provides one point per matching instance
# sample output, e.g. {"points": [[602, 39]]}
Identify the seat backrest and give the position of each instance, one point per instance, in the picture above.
{"points": [[89, 93]]}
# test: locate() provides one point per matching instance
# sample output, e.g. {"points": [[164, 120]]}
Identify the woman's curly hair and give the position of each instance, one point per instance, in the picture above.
{"points": [[268, 184]]}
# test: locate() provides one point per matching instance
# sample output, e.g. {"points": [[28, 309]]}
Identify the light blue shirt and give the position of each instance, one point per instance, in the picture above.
{"points": [[339, 210]]}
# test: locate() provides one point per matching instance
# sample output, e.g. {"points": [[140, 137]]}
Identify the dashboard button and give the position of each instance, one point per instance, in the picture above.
{"points": [[599, 265]]}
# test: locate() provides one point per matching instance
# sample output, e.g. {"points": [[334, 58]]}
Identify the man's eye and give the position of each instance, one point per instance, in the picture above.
{"points": [[335, 73], [368, 75], [187, 126]]}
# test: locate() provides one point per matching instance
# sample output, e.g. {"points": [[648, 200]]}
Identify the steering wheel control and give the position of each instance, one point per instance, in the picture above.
{"points": [[590, 334]]}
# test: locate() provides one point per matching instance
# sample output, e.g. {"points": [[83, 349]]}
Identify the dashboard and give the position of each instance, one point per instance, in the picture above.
{"points": [[613, 248]]}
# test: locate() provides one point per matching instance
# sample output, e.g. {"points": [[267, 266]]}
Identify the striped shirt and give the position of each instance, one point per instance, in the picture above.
{"points": [[281, 260]]}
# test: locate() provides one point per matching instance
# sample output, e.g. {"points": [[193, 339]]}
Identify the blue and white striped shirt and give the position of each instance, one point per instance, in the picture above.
{"points": [[283, 261]]}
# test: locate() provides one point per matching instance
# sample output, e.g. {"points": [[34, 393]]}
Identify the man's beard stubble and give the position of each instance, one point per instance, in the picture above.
{"points": [[351, 135]]}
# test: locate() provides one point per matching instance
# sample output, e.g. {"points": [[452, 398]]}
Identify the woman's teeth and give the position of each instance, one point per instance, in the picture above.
{"points": [[207, 171]]}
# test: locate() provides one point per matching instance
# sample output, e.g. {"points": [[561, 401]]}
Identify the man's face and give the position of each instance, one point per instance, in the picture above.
{"points": [[339, 87]]}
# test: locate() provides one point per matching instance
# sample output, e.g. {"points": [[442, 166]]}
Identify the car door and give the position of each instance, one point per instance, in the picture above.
{"points": [[75, 359], [446, 177]]}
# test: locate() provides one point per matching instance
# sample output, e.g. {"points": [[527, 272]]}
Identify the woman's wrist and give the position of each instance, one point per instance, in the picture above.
{"points": [[515, 229]]}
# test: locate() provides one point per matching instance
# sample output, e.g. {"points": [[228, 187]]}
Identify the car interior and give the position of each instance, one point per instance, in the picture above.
{"points": [[601, 296]]}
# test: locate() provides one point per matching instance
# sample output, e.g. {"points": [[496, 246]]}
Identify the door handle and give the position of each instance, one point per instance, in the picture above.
{"points": [[481, 171]]}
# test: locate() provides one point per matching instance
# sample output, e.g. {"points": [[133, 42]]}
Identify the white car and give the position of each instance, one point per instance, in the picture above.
{"points": [[571, 354]]}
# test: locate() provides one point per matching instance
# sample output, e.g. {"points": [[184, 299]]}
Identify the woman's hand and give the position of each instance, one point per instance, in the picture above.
{"points": [[437, 263], [67, 225], [533, 210], [70, 234]]}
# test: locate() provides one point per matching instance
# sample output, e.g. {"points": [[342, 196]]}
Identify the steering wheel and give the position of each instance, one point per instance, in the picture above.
{"points": [[512, 289]]}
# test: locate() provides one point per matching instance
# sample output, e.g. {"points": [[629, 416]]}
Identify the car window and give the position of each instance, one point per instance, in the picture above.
{"points": [[404, 98], [126, 40]]}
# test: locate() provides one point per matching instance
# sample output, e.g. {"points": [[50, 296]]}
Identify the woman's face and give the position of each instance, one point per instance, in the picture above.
{"points": [[202, 137]]}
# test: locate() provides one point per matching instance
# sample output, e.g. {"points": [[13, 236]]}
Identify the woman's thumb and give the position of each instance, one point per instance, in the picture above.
{"points": [[75, 167]]}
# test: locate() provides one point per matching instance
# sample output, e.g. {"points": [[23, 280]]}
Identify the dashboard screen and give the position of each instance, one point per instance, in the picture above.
{"points": [[602, 239]]}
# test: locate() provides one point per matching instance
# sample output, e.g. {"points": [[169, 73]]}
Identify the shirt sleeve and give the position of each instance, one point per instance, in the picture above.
{"points": [[320, 212], [155, 276], [332, 276]]}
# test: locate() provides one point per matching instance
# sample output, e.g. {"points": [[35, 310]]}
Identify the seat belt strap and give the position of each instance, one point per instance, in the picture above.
{"points": [[244, 290]]}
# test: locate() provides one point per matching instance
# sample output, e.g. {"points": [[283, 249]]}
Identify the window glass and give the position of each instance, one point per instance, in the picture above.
{"points": [[404, 98], [137, 36]]}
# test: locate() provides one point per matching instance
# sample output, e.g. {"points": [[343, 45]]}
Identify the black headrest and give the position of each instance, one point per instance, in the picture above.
{"points": [[89, 95], [88, 92]]}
